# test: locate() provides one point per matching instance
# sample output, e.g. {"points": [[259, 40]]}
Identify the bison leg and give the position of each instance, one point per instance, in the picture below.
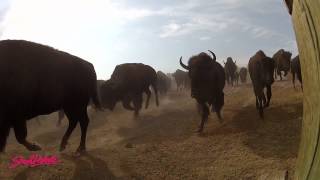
{"points": [[20, 131], [269, 94], [257, 102], [72, 124], [293, 79], [137, 103], [60, 117], [218, 104], [4, 133], [155, 89], [280, 74], [204, 118], [154, 86], [148, 92], [126, 102], [260, 104], [84, 121]]}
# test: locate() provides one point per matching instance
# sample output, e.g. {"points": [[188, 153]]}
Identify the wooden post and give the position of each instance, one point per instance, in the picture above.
{"points": [[306, 22]]}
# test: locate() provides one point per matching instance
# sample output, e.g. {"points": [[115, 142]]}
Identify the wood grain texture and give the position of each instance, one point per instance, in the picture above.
{"points": [[306, 22]]}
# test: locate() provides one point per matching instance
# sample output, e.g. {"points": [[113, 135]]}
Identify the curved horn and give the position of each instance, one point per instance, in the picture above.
{"points": [[183, 65], [213, 55]]}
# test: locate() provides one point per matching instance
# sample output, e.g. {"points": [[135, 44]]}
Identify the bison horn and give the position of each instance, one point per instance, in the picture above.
{"points": [[213, 55], [183, 65]]}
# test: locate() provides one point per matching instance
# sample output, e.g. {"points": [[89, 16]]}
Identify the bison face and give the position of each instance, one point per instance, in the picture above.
{"points": [[200, 68], [287, 57], [267, 70], [108, 95]]}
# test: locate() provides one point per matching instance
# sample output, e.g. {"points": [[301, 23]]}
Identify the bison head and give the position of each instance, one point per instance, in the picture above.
{"points": [[108, 92], [198, 64], [199, 68], [287, 59], [267, 70]]}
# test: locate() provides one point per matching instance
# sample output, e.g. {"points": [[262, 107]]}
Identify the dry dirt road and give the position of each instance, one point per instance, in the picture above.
{"points": [[162, 143]]}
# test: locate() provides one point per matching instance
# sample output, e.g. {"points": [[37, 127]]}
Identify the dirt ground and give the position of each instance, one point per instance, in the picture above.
{"points": [[162, 143]]}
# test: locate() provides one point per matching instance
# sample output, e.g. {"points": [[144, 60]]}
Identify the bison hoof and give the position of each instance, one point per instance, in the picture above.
{"points": [[62, 146], [33, 147], [200, 130], [261, 115], [80, 151]]}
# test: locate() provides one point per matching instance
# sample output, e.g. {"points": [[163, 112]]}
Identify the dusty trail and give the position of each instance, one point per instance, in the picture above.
{"points": [[162, 143]]}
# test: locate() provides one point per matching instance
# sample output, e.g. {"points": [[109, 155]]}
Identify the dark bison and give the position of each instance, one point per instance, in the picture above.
{"points": [[37, 80], [261, 70], [282, 62], [163, 83], [243, 74], [230, 68], [127, 84], [207, 83], [61, 113], [236, 77], [296, 69], [182, 79]]}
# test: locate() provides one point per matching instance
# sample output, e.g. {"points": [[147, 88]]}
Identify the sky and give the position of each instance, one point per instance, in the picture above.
{"points": [[111, 32]]}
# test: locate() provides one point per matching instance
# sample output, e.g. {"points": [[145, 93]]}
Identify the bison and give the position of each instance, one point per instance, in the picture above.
{"points": [[163, 83], [230, 68], [236, 78], [282, 62], [127, 84], [207, 84], [182, 79], [38, 80], [296, 69], [243, 74], [261, 70]]}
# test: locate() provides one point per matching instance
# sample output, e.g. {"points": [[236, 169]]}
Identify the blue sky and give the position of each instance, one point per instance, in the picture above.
{"points": [[157, 33]]}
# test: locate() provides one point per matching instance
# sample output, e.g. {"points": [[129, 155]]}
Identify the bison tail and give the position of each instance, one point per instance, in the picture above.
{"points": [[95, 97], [94, 94]]}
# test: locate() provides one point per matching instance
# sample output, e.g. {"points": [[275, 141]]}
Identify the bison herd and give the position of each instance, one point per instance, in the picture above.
{"points": [[37, 80]]}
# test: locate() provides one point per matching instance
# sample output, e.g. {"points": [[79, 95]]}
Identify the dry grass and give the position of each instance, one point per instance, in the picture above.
{"points": [[162, 143]]}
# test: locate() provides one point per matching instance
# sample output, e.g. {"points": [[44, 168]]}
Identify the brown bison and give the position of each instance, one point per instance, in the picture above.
{"points": [[127, 84], [243, 74], [261, 70], [38, 80], [163, 83], [181, 78], [282, 62], [230, 68], [236, 78], [207, 83], [296, 69]]}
